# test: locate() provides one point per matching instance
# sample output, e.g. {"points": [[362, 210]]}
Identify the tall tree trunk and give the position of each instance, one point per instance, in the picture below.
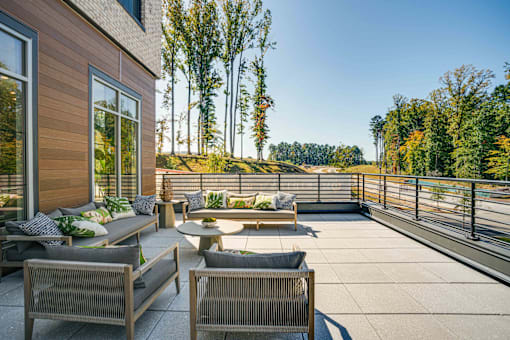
{"points": [[226, 114], [189, 109], [235, 103], [173, 103], [232, 130], [242, 135]]}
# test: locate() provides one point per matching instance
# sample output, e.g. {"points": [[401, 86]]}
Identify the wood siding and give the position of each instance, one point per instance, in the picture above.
{"points": [[67, 46]]}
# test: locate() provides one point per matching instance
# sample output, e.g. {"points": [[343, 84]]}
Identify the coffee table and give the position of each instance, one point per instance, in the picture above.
{"points": [[209, 236]]}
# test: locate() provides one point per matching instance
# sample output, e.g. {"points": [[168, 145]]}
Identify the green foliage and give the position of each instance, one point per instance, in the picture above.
{"points": [[214, 200], [499, 160]]}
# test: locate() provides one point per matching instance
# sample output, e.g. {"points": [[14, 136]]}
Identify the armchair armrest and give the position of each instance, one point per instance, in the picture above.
{"points": [[294, 207], [149, 264], [185, 210], [67, 239]]}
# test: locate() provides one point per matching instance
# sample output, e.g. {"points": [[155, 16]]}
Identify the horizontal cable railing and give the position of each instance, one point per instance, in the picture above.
{"points": [[306, 187], [479, 209]]}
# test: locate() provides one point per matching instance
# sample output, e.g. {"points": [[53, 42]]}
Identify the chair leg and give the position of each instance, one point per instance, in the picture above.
{"points": [[178, 284], [138, 237], [130, 331], [311, 335], [295, 225], [29, 328], [258, 224]]}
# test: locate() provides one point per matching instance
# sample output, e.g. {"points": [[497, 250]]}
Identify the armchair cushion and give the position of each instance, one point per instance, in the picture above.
{"points": [[218, 259], [153, 279], [78, 210], [12, 228], [33, 250]]}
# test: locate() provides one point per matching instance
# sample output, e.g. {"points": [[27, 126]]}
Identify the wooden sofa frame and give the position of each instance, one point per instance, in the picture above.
{"points": [[103, 273], [4, 245], [294, 219]]}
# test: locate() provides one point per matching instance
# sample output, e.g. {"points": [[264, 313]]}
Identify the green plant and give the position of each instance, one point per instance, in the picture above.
{"points": [[209, 219]]}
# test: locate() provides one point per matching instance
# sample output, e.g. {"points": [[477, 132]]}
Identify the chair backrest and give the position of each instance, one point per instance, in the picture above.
{"points": [[77, 291]]}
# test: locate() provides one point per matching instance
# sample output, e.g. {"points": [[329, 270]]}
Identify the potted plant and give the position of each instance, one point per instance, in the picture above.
{"points": [[209, 222]]}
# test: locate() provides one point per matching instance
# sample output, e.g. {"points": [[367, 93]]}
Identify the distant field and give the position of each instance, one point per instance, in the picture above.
{"points": [[196, 163], [362, 168]]}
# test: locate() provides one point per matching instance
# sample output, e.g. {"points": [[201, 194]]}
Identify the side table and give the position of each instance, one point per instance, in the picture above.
{"points": [[167, 213]]}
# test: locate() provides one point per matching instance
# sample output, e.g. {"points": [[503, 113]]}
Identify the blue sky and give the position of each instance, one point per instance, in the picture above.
{"points": [[339, 62]]}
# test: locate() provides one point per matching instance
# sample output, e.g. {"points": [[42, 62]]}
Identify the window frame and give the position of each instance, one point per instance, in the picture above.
{"points": [[138, 21], [103, 79], [30, 80]]}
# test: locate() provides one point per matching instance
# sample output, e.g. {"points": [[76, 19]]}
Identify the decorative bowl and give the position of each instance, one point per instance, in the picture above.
{"points": [[209, 224]]}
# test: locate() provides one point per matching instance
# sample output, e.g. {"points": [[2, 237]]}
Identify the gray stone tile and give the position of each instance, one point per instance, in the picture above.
{"points": [[383, 298], [181, 301], [360, 273], [155, 241], [143, 328], [344, 256], [457, 272], [10, 282], [324, 273], [476, 326], [313, 256], [492, 299], [175, 325], [345, 217], [404, 255], [14, 297], [310, 218], [303, 243], [343, 327], [162, 303], [265, 230], [263, 243], [334, 298], [408, 272], [235, 243], [406, 327]]}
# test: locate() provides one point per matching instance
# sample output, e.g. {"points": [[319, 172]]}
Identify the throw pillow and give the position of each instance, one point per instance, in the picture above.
{"points": [[119, 207], [144, 205], [79, 226], [216, 199], [219, 259], [195, 200], [77, 211], [264, 202], [101, 215], [240, 202], [285, 200], [42, 225]]}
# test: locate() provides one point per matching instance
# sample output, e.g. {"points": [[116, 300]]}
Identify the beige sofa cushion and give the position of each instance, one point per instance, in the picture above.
{"points": [[242, 214]]}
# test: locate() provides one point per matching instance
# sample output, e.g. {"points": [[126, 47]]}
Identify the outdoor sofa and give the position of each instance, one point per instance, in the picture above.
{"points": [[21, 247], [243, 299], [279, 215]]}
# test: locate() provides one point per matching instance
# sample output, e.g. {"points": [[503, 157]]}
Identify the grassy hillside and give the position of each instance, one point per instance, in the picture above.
{"points": [[196, 163], [368, 168]]}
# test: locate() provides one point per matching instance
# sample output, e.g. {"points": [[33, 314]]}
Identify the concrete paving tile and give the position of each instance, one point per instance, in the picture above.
{"points": [[494, 299], [360, 273], [408, 272], [181, 301], [313, 256], [155, 241], [10, 282], [163, 232], [310, 218], [235, 243], [263, 243], [457, 272], [358, 233], [303, 243], [14, 297], [476, 326], [404, 255], [162, 303], [334, 298], [288, 230], [143, 327], [175, 325], [265, 230], [445, 298], [324, 273], [383, 298], [344, 256], [343, 327], [344, 217], [406, 327]]}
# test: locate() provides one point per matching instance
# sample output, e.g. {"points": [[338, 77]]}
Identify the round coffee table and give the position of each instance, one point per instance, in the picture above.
{"points": [[209, 236]]}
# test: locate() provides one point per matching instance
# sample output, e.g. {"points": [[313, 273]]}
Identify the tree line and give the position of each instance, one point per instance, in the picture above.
{"points": [[214, 45], [461, 129], [341, 156]]}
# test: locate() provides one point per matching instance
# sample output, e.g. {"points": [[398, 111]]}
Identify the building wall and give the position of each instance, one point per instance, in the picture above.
{"points": [[67, 45], [116, 21]]}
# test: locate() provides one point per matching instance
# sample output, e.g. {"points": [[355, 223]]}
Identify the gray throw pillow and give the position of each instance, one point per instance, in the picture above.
{"points": [[129, 254], [54, 214], [42, 225], [195, 200], [218, 259], [144, 205], [285, 200], [78, 210]]}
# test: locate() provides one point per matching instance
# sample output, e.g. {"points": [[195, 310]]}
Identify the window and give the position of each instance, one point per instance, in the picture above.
{"points": [[115, 140], [133, 7], [16, 130]]}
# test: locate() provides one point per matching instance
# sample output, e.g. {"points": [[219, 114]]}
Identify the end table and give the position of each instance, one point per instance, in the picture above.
{"points": [[166, 213]]}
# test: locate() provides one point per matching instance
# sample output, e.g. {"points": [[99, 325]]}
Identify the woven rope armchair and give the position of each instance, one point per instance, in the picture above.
{"points": [[91, 291], [251, 300]]}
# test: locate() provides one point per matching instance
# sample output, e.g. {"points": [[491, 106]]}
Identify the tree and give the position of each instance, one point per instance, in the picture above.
{"points": [[244, 106], [162, 127], [499, 160], [376, 129], [170, 51], [414, 153]]}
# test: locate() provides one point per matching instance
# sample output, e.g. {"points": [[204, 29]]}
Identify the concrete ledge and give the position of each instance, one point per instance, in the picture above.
{"points": [[492, 260], [329, 207]]}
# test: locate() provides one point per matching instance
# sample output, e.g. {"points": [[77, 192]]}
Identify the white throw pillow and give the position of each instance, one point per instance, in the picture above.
{"points": [[98, 229]]}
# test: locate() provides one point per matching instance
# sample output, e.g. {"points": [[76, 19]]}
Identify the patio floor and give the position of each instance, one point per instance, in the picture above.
{"points": [[371, 283]]}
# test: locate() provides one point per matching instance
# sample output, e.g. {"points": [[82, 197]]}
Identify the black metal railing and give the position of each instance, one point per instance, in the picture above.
{"points": [[307, 187], [480, 209]]}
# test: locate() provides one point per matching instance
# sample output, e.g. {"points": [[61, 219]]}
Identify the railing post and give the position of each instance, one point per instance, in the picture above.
{"points": [[279, 181], [318, 187], [240, 186], [201, 182], [363, 187], [472, 234], [379, 190], [358, 197], [384, 193], [416, 203]]}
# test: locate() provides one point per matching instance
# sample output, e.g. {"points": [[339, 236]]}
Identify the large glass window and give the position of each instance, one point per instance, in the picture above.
{"points": [[116, 141], [14, 84]]}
